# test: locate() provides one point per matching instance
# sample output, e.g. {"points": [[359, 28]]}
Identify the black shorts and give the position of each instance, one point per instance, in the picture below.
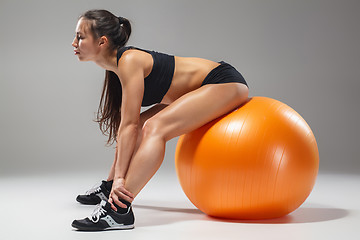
{"points": [[224, 73]]}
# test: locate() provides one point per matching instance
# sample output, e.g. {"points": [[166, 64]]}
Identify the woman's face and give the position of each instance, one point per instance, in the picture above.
{"points": [[85, 46]]}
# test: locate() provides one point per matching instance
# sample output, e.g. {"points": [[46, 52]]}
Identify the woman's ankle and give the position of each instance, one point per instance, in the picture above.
{"points": [[109, 184]]}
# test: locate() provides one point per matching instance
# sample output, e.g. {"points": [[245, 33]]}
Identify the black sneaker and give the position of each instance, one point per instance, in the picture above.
{"points": [[95, 195], [104, 218]]}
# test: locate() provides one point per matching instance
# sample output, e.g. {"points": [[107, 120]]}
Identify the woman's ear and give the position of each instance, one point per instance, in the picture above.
{"points": [[103, 41]]}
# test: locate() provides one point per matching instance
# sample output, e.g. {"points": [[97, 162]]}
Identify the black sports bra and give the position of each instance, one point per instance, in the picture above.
{"points": [[158, 82]]}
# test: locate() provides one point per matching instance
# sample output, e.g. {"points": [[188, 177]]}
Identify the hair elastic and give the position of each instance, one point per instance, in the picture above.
{"points": [[121, 20]]}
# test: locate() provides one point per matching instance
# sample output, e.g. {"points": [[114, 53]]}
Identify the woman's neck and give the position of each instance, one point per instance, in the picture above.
{"points": [[108, 61]]}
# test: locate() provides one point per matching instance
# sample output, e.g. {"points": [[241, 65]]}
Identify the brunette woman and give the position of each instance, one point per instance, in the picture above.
{"points": [[185, 93]]}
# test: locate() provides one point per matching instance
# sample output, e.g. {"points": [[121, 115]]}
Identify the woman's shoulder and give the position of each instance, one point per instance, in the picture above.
{"points": [[133, 55], [124, 49], [121, 51], [133, 61]]}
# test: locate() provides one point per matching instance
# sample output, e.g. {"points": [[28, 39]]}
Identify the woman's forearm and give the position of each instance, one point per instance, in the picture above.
{"points": [[126, 142], [112, 170]]}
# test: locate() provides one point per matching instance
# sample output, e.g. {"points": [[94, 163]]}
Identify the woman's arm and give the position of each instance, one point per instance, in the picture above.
{"points": [[131, 74], [112, 170]]}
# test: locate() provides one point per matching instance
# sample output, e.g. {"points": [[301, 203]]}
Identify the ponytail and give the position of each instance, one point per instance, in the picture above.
{"points": [[109, 114], [126, 31]]}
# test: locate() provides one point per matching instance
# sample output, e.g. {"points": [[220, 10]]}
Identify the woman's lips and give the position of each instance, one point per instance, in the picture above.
{"points": [[76, 52]]}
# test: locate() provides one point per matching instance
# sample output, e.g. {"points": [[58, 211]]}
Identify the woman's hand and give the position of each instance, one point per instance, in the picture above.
{"points": [[118, 191]]}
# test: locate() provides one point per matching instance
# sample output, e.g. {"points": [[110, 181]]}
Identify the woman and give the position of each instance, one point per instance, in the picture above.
{"points": [[186, 94]]}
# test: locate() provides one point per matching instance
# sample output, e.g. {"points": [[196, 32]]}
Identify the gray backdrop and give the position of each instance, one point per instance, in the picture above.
{"points": [[304, 53]]}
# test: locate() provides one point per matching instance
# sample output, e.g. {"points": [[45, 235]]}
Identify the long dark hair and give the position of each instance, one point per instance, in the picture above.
{"points": [[117, 30]]}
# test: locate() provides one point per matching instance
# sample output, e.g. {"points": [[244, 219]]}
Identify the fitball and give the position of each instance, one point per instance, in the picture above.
{"points": [[259, 161]]}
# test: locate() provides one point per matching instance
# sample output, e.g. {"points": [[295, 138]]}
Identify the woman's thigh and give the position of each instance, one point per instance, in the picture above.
{"points": [[144, 116], [195, 109]]}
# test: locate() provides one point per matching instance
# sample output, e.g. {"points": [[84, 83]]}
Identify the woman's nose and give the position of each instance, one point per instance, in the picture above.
{"points": [[74, 43]]}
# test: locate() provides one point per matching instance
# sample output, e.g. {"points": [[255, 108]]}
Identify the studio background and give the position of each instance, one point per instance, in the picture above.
{"points": [[303, 53]]}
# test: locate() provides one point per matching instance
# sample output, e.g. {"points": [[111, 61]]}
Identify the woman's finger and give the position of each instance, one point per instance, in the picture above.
{"points": [[115, 199], [123, 196], [112, 204], [126, 192], [129, 194]]}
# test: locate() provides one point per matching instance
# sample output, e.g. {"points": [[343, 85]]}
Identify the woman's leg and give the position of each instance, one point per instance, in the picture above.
{"points": [[144, 116], [187, 113]]}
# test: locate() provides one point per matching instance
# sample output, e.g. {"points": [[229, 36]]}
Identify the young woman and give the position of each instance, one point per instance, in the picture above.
{"points": [[186, 94]]}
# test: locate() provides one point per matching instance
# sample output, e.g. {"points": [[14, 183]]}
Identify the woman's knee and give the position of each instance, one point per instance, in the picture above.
{"points": [[240, 94], [153, 127], [242, 91], [146, 125]]}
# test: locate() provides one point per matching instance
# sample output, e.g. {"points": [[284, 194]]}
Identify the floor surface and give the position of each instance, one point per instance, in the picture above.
{"points": [[43, 207]]}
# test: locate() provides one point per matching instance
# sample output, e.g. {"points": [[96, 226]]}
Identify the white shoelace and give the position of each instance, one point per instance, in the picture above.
{"points": [[95, 189], [97, 213]]}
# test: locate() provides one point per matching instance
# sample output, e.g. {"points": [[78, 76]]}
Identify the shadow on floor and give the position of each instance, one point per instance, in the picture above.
{"points": [[170, 209], [301, 215]]}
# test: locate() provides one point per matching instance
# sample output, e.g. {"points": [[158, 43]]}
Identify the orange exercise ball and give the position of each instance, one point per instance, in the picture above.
{"points": [[259, 161]]}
